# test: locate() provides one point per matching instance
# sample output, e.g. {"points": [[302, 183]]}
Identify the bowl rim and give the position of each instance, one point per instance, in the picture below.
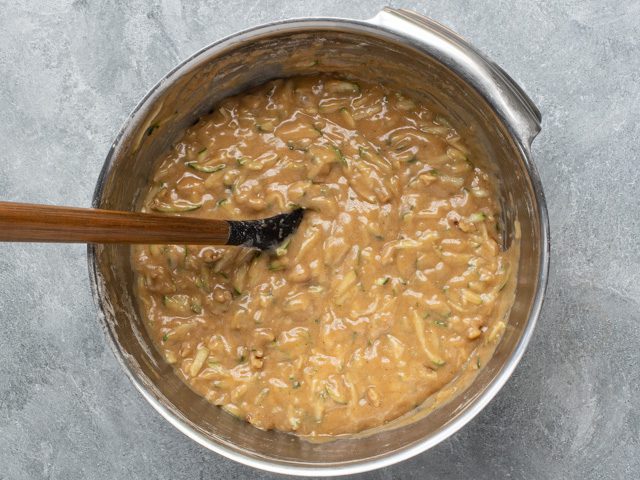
{"points": [[291, 467]]}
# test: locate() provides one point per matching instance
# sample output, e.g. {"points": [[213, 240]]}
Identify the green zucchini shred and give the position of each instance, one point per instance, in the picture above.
{"points": [[276, 266], [206, 168], [196, 307], [477, 217], [186, 207], [282, 249]]}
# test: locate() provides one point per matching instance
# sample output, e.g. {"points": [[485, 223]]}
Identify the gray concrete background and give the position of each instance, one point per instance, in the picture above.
{"points": [[71, 72]]}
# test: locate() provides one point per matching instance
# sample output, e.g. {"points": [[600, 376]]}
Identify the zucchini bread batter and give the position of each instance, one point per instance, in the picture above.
{"points": [[384, 294]]}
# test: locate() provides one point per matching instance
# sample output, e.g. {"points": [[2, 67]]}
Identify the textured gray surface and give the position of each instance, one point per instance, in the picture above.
{"points": [[71, 73]]}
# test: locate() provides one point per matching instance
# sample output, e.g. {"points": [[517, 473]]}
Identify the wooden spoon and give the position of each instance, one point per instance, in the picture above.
{"points": [[23, 222]]}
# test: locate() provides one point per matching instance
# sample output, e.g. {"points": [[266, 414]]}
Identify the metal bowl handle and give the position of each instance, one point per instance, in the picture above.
{"points": [[505, 96]]}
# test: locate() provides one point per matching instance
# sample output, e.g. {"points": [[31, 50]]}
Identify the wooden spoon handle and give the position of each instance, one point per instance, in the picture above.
{"points": [[23, 222]]}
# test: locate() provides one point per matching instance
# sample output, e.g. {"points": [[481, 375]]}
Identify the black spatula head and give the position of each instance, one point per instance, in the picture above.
{"points": [[266, 233]]}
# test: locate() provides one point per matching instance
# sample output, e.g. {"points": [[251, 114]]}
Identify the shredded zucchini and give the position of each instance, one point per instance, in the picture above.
{"points": [[178, 304], [206, 168], [276, 266], [282, 249], [182, 206], [342, 86]]}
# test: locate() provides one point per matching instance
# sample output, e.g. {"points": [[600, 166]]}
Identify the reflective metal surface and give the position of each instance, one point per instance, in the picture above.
{"points": [[408, 53]]}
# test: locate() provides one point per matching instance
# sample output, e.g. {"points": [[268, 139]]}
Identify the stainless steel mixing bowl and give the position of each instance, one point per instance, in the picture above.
{"points": [[409, 53]]}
